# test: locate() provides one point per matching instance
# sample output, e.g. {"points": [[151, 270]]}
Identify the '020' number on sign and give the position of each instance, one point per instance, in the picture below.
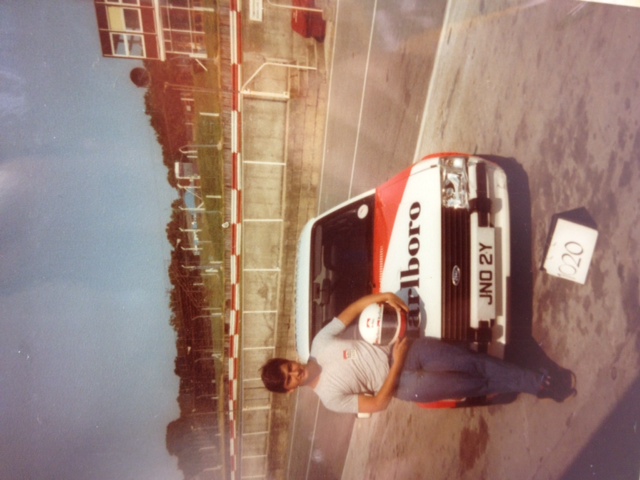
{"points": [[571, 259]]}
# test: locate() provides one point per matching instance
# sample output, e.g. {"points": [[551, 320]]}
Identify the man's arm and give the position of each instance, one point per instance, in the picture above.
{"points": [[349, 314], [381, 400]]}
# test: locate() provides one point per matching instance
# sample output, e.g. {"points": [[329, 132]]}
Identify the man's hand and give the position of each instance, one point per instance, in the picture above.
{"points": [[381, 401], [400, 350], [395, 301]]}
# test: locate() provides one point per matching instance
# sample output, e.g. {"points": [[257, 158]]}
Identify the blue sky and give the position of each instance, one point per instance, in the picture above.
{"points": [[86, 350]]}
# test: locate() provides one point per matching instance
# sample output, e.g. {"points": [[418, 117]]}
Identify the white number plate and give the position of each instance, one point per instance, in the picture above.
{"points": [[485, 273]]}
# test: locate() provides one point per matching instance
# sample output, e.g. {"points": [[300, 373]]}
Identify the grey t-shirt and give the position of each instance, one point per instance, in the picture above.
{"points": [[349, 368]]}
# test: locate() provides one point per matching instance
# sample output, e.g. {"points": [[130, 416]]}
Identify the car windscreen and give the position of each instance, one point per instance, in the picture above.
{"points": [[341, 260]]}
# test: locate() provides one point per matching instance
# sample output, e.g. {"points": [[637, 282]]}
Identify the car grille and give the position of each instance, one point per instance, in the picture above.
{"points": [[456, 274]]}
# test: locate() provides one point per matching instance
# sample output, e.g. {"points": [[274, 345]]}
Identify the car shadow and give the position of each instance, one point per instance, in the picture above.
{"points": [[522, 348]]}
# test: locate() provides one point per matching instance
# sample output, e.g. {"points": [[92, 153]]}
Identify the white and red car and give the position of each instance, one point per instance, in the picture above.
{"points": [[437, 234]]}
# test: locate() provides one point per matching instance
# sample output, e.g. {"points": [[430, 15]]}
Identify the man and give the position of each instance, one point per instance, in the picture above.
{"points": [[354, 376]]}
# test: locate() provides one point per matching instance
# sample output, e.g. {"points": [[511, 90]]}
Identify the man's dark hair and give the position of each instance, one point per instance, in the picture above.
{"points": [[272, 375]]}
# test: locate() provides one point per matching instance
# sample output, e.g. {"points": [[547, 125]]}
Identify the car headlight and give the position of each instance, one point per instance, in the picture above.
{"points": [[455, 182]]}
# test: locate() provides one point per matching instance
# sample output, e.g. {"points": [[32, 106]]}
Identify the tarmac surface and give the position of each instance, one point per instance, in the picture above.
{"points": [[551, 90]]}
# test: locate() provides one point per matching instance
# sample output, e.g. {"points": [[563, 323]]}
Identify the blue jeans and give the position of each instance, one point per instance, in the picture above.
{"points": [[435, 370]]}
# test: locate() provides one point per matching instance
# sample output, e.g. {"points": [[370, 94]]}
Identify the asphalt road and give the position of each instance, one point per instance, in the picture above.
{"points": [[551, 89], [383, 59]]}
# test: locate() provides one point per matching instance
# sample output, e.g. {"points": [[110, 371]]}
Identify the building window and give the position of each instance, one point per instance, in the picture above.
{"points": [[179, 20], [127, 45], [124, 19], [132, 20]]}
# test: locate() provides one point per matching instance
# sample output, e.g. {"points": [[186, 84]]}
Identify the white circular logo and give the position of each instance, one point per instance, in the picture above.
{"points": [[456, 275]]}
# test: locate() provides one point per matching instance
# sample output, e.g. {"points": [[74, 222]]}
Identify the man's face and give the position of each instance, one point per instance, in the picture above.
{"points": [[295, 374]]}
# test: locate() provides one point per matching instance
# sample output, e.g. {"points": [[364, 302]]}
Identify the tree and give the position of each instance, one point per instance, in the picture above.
{"points": [[140, 77]]}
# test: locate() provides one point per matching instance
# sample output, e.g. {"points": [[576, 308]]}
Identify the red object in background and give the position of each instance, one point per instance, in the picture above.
{"points": [[308, 24]]}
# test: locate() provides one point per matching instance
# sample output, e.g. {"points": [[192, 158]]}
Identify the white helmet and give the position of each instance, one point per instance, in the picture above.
{"points": [[382, 324]]}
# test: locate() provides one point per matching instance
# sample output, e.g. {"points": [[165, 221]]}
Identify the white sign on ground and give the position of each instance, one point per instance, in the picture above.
{"points": [[570, 251]]}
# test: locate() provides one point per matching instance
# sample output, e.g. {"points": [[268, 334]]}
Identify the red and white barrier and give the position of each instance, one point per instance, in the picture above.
{"points": [[235, 22]]}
